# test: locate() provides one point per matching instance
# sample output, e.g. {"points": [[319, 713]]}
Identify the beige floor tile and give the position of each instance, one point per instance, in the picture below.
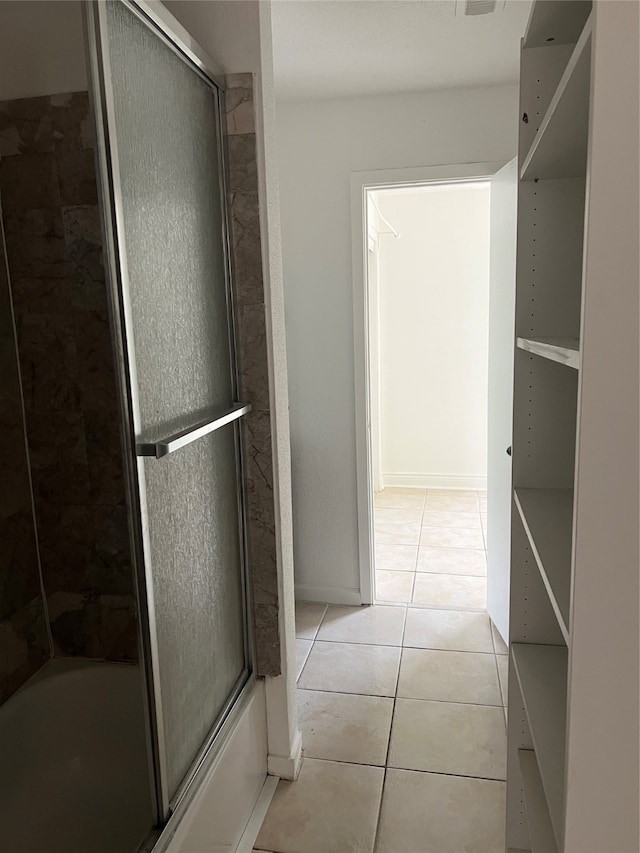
{"points": [[394, 586], [431, 813], [396, 558], [449, 676], [397, 534], [457, 630], [303, 647], [503, 673], [452, 561], [452, 493], [352, 668], [345, 727], [380, 625], [331, 807], [446, 518], [400, 499], [452, 502], [445, 737], [394, 515], [501, 646], [451, 537], [402, 490], [450, 591], [308, 618]]}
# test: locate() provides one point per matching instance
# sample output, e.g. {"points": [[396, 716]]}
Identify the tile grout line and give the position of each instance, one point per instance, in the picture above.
{"points": [[393, 714], [408, 698]]}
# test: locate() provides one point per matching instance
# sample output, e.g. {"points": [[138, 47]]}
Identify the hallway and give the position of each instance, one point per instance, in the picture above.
{"points": [[401, 705]]}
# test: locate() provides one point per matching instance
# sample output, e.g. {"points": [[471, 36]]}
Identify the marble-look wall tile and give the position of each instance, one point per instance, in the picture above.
{"points": [[253, 371], [26, 126], [71, 121], [245, 225], [45, 124], [54, 249], [239, 104]]}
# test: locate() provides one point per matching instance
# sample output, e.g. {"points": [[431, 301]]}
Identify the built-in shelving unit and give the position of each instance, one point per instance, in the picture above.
{"points": [[573, 708], [562, 350], [554, 111]]}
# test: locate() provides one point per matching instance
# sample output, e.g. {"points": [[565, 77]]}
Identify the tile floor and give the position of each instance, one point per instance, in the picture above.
{"points": [[401, 704]]}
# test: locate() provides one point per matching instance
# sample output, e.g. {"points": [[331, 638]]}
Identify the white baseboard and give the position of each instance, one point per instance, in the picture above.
{"points": [[287, 766], [252, 829], [328, 594], [434, 481]]}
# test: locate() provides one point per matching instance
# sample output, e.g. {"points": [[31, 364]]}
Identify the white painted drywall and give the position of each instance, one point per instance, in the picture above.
{"points": [[41, 48], [320, 144], [434, 324], [228, 31]]}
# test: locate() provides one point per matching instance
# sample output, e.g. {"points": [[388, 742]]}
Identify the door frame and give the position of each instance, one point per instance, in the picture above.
{"points": [[163, 24], [361, 183]]}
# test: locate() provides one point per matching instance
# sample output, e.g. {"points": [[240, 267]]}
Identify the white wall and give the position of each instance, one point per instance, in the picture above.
{"points": [[320, 144], [434, 304], [228, 31], [41, 48]]}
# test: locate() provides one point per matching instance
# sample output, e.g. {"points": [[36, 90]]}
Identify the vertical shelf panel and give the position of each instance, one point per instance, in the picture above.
{"points": [[542, 675], [547, 517], [540, 829]]}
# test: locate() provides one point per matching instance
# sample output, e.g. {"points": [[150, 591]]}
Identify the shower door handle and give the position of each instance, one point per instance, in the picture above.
{"points": [[174, 442]]}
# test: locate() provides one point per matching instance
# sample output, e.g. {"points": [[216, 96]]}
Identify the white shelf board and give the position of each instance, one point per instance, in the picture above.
{"points": [[540, 829], [547, 517], [542, 675], [559, 20], [559, 148], [563, 350]]}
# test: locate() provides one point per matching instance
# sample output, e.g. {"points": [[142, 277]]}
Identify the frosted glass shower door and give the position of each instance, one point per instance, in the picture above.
{"points": [[162, 152]]}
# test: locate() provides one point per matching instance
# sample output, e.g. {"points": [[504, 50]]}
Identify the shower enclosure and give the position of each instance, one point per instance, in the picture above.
{"points": [[125, 638]]}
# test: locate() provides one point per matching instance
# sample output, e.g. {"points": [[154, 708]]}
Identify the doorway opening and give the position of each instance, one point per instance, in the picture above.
{"points": [[427, 276], [433, 343]]}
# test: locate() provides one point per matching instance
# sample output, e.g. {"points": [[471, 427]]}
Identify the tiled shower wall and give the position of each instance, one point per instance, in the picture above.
{"points": [[51, 221], [253, 367], [24, 644]]}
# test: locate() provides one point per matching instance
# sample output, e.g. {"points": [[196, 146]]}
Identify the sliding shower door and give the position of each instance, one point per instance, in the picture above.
{"points": [[163, 182]]}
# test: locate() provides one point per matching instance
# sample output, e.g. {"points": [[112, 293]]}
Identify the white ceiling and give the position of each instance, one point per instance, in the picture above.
{"points": [[344, 48]]}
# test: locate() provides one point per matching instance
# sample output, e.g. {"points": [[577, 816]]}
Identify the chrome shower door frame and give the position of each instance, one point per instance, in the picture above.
{"points": [[165, 27]]}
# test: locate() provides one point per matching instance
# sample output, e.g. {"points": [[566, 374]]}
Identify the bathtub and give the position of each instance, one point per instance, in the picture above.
{"points": [[73, 761]]}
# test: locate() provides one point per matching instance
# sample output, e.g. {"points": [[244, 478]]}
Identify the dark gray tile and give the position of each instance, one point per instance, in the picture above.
{"points": [[48, 361], [19, 571], [77, 177], [83, 241], [24, 647], [29, 181]]}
